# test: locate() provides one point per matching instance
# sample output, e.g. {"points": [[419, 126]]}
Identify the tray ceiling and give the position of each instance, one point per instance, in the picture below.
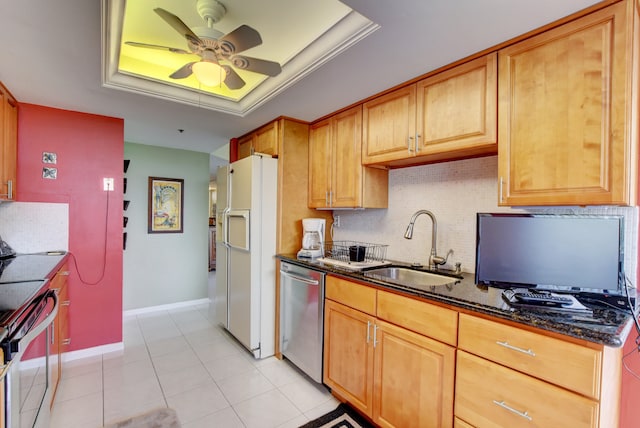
{"points": [[299, 35]]}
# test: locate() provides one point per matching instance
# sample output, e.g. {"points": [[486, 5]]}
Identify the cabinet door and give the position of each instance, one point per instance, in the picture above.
{"points": [[348, 354], [457, 109], [346, 163], [245, 146], [414, 379], [319, 164], [564, 97], [8, 145], [389, 126], [60, 327], [266, 139]]}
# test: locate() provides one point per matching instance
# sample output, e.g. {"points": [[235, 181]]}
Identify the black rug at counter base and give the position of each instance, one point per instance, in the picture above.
{"points": [[342, 417]]}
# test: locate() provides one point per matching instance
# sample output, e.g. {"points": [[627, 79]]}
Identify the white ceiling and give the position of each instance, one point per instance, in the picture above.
{"points": [[50, 54]]}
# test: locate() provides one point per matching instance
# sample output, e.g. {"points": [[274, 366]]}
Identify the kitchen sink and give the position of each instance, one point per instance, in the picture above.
{"points": [[409, 277]]}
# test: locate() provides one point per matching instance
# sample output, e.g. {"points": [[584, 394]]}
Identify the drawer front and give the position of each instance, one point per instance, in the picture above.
{"points": [[489, 395], [352, 294], [459, 423], [565, 364], [423, 318]]}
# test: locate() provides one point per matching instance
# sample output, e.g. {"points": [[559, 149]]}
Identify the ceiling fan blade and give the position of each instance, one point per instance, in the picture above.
{"points": [[262, 66], [240, 39], [183, 72], [162, 48], [233, 81], [178, 25]]}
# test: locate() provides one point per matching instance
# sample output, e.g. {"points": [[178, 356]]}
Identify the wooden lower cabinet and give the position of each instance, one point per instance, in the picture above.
{"points": [[535, 380], [60, 337], [491, 395], [413, 379], [459, 423], [348, 355], [396, 377]]}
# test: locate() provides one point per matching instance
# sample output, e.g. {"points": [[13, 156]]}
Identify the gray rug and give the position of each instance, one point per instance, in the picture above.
{"points": [[158, 418]]}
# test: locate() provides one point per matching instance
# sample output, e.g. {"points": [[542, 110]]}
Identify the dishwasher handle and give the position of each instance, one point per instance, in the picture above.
{"points": [[304, 279]]}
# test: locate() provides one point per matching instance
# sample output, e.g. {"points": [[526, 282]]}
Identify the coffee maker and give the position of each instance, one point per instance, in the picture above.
{"points": [[312, 238]]}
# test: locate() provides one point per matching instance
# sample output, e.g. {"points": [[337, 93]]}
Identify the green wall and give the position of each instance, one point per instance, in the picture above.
{"points": [[161, 269]]}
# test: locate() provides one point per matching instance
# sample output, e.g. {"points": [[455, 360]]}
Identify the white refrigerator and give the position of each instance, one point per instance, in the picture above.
{"points": [[243, 299]]}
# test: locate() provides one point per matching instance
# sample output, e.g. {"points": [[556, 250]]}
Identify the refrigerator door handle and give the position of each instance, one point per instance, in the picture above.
{"points": [[225, 227], [239, 229]]}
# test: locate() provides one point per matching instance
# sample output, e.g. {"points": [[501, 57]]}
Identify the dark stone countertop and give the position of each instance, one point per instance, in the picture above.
{"points": [[31, 267], [603, 325]]}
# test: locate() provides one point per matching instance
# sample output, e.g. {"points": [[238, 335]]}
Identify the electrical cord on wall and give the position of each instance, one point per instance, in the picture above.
{"points": [[104, 254], [626, 285]]}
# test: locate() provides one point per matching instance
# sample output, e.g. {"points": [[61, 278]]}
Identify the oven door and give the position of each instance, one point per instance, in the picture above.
{"points": [[28, 384]]}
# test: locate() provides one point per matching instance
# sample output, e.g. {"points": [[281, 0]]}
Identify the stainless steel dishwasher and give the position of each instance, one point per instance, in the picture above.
{"points": [[302, 317]]}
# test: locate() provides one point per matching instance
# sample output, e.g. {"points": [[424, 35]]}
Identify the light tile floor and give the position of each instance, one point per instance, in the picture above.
{"points": [[179, 359]]}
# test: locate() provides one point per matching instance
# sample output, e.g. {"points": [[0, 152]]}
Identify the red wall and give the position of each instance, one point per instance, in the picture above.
{"points": [[88, 148]]}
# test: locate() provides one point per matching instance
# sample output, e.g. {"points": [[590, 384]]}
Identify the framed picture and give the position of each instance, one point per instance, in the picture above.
{"points": [[166, 199]]}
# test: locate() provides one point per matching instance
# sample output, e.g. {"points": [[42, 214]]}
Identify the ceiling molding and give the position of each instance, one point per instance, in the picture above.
{"points": [[344, 34]]}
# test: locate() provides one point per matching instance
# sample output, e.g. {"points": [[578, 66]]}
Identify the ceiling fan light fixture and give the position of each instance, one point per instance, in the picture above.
{"points": [[209, 73]]}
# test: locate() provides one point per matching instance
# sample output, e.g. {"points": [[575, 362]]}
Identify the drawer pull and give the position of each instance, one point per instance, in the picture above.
{"points": [[368, 328], [511, 409], [515, 348]]}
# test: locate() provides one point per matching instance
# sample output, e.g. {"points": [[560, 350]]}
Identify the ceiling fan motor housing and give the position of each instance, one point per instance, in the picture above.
{"points": [[211, 10]]}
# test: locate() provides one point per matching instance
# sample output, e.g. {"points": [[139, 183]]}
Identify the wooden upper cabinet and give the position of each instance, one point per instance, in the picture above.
{"points": [[458, 108], [337, 178], [266, 139], [389, 126], [346, 165], [449, 115], [320, 155], [8, 144], [569, 113], [263, 140], [245, 146]]}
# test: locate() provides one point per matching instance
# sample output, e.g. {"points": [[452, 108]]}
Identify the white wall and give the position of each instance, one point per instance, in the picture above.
{"points": [[161, 269], [454, 192]]}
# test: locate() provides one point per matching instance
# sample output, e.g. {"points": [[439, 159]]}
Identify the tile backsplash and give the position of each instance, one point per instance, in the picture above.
{"points": [[454, 192], [31, 227]]}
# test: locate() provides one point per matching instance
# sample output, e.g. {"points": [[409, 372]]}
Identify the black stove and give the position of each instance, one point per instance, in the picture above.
{"points": [[15, 299], [23, 285]]}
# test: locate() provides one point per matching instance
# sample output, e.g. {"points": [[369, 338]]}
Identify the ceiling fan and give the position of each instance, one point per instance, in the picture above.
{"points": [[218, 52]]}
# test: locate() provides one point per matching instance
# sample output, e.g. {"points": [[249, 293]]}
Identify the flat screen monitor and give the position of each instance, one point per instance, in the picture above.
{"points": [[572, 253]]}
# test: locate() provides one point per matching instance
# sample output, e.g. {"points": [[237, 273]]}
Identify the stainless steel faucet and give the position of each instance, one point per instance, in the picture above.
{"points": [[434, 258]]}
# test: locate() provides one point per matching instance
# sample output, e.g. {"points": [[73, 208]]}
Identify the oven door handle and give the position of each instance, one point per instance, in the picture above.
{"points": [[35, 331]]}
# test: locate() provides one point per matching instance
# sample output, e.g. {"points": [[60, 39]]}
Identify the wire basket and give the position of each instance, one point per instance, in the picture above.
{"points": [[340, 250]]}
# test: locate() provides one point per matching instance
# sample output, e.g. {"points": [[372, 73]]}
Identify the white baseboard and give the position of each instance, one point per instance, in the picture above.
{"points": [[74, 355], [92, 352], [169, 306]]}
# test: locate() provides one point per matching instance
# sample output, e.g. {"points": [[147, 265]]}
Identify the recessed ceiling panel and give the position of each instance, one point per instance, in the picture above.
{"points": [[149, 46]]}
